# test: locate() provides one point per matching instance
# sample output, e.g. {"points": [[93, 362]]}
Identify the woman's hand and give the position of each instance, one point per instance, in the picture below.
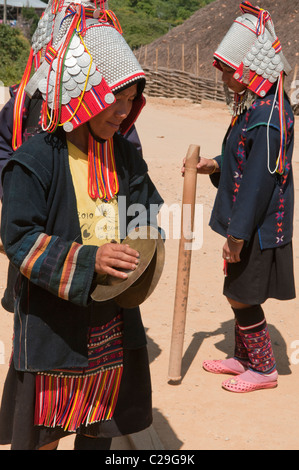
{"points": [[205, 166], [114, 256], [232, 250]]}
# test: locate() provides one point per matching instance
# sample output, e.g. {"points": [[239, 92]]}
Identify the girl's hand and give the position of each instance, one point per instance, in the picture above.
{"points": [[114, 256], [205, 166], [232, 250]]}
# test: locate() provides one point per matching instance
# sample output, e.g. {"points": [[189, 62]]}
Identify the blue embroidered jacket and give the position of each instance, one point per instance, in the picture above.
{"points": [[250, 196], [41, 234]]}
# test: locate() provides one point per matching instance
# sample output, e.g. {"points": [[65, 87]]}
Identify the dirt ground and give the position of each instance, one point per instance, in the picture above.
{"points": [[197, 414]]}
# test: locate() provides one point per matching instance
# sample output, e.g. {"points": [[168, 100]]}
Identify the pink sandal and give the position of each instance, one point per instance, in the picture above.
{"points": [[226, 366], [250, 382]]}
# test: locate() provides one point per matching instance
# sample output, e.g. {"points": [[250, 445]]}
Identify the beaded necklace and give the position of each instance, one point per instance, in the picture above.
{"points": [[102, 176]]}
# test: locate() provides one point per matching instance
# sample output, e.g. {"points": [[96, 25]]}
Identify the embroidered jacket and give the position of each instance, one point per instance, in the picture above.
{"points": [[41, 235], [249, 196]]}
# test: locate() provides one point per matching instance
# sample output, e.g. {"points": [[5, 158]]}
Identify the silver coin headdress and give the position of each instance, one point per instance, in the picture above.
{"points": [[252, 48], [86, 61]]}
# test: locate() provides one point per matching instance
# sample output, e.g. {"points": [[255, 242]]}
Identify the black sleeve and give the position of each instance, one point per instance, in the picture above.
{"points": [[6, 129]]}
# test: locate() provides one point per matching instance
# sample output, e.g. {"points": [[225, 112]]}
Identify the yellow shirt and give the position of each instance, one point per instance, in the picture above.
{"points": [[99, 221]]}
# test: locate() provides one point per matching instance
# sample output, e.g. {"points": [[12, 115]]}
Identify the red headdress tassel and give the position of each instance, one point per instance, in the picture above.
{"points": [[19, 105]]}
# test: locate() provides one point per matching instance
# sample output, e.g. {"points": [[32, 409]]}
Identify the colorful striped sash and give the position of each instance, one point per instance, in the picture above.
{"points": [[70, 398]]}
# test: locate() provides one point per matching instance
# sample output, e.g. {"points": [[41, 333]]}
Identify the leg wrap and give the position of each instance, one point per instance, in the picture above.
{"points": [[255, 336], [240, 350]]}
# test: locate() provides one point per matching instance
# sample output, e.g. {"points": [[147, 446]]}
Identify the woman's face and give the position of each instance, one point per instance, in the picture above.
{"points": [[105, 124], [229, 80]]}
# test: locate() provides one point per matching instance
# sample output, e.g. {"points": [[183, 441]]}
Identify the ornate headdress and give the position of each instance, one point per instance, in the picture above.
{"points": [[86, 61], [82, 61], [252, 48]]}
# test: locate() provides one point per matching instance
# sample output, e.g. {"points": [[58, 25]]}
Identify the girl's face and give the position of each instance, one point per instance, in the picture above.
{"points": [[229, 80], [105, 124]]}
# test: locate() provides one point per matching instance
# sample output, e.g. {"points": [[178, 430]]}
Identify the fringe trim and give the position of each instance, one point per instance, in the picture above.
{"points": [[72, 402]]}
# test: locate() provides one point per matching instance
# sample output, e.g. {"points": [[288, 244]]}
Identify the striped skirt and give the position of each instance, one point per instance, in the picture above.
{"points": [[72, 398]]}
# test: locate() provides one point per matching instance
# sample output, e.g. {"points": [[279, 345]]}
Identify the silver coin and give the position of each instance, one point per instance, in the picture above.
{"points": [[50, 99], [75, 42], [271, 66], [83, 60], [68, 126], [66, 76], [266, 75], [264, 66], [271, 53], [70, 84], [65, 98], [69, 54], [276, 60], [70, 61], [74, 70], [78, 51], [109, 98], [43, 85], [54, 64], [246, 62], [256, 61], [52, 78], [92, 70], [268, 45], [82, 86], [250, 57], [75, 92], [80, 77], [96, 78], [279, 68]]}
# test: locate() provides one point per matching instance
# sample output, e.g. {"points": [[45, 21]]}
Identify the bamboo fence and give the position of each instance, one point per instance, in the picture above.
{"points": [[178, 84]]}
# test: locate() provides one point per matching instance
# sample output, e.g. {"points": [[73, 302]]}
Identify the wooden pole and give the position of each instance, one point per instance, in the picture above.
{"points": [[184, 263], [183, 57], [157, 58]]}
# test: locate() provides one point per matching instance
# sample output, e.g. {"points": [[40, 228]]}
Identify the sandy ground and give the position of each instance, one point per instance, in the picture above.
{"points": [[197, 413]]}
